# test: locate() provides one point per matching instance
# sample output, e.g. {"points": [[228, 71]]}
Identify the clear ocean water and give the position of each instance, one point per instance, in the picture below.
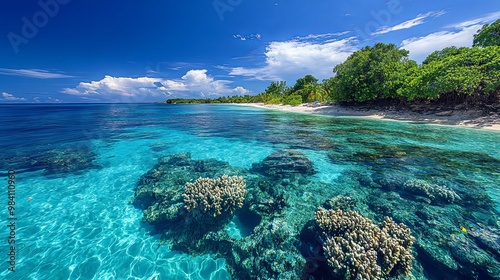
{"points": [[77, 166]]}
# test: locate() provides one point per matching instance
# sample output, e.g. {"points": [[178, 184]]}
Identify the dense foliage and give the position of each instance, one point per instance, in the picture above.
{"points": [[306, 89], [371, 73], [488, 35], [222, 99], [456, 74], [384, 72]]}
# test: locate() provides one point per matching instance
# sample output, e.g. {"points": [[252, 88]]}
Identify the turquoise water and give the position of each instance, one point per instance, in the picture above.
{"points": [[77, 167]]}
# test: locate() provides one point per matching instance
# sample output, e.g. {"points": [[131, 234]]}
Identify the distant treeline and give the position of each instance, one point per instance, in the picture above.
{"points": [[384, 72]]}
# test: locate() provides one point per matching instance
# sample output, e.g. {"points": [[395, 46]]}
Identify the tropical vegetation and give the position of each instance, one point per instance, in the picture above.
{"points": [[384, 72]]}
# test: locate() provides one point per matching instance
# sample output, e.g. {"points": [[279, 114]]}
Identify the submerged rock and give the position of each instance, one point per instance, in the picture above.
{"points": [[61, 161], [269, 253], [487, 238], [344, 203], [443, 214], [389, 181], [284, 163], [475, 263]]}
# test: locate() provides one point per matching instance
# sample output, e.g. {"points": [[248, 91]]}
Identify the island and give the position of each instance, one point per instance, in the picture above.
{"points": [[453, 86]]}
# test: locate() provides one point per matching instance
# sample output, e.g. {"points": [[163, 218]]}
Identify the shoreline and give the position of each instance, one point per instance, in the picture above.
{"points": [[460, 118]]}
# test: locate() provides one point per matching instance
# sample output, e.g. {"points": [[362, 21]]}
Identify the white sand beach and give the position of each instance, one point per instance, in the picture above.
{"points": [[471, 119]]}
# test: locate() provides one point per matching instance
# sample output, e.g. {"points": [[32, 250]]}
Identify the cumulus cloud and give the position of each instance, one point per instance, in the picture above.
{"points": [[116, 86], [241, 90], [10, 97], [33, 73], [314, 54], [420, 19], [195, 83], [421, 47], [461, 35]]}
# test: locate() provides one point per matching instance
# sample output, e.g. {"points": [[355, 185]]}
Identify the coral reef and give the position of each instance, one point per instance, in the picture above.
{"points": [[67, 160], [213, 197], [357, 249], [417, 187], [160, 191], [436, 193], [71, 159], [443, 247], [193, 213], [342, 202], [270, 253]]}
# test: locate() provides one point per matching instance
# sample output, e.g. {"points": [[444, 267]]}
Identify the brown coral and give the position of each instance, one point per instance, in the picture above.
{"points": [[435, 193], [215, 197], [357, 249]]}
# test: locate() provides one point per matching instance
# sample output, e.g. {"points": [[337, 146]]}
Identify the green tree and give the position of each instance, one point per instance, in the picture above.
{"points": [[302, 82], [300, 87], [440, 55], [371, 73], [488, 35], [276, 88], [275, 91], [457, 75], [293, 100], [312, 92], [328, 85]]}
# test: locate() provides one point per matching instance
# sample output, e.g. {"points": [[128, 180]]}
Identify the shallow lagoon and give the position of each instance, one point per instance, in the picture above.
{"points": [[80, 165]]}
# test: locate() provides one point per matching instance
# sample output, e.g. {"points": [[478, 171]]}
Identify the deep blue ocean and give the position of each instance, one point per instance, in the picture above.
{"points": [[77, 166]]}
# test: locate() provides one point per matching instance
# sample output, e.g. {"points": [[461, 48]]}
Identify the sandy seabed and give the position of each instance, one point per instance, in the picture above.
{"points": [[471, 119]]}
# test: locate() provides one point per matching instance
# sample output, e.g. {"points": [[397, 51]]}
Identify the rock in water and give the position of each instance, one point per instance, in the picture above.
{"points": [[488, 238], [284, 163]]}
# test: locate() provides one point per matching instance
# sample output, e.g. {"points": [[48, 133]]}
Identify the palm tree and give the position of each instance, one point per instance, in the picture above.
{"points": [[313, 92]]}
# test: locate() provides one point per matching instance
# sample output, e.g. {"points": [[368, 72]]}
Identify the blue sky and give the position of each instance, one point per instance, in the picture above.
{"points": [[143, 51]]}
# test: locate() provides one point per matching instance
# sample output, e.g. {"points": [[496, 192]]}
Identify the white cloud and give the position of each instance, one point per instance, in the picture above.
{"points": [[45, 99], [241, 90], [255, 36], [482, 20], [33, 73], [9, 97], [462, 35], [116, 86], [421, 47], [298, 57], [322, 36], [53, 100], [194, 83], [420, 19]]}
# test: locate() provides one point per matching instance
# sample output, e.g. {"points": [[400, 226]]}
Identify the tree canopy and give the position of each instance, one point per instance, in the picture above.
{"points": [[371, 73], [488, 35], [456, 74]]}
